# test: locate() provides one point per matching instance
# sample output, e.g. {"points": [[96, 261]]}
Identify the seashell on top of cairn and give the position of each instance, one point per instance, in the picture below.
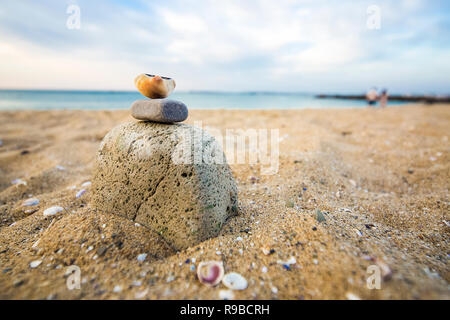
{"points": [[153, 86]]}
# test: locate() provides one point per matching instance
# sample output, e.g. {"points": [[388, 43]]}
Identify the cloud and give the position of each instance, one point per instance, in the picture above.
{"points": [[226, 45]]}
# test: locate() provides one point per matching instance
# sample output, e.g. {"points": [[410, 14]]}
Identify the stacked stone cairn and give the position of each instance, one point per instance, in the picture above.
{"points": [[150, 171], [157, 108]]}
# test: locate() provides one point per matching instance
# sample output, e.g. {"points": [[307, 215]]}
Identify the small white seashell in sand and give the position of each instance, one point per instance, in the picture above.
{"points": [[141, 294], [30, 211], [136, 283], [19, 182], [117, 289], [226, 294], [35, 263], [352, 296], [142, 257], [60, 168], [291, 260], [210, 272], [234, 281], [52, 211], [80, 193], [86, 184], [264, 269], [30, 202]]}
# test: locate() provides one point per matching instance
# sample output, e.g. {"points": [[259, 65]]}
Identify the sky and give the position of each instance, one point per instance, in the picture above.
{"points": [[283, 45]]}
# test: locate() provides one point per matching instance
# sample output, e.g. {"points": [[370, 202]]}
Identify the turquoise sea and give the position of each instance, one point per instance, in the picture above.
{"points": [[47, 100]]}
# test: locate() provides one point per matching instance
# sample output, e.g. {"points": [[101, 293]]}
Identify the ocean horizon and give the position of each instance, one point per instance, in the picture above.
{"points": [[107, 100]]}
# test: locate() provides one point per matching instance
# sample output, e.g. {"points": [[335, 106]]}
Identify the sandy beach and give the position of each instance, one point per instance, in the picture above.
{"points": [[379, 178]]}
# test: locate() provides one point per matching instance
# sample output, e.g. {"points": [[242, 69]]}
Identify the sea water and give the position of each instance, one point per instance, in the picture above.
{"points": [[100, 100]]}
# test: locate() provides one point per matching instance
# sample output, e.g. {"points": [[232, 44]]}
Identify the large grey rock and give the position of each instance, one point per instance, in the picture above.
{"points": [[173, 179], [159, 110]]}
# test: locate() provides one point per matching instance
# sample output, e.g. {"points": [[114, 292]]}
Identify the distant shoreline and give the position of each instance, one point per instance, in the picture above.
{"points": [[406, 98], [102, 100]]}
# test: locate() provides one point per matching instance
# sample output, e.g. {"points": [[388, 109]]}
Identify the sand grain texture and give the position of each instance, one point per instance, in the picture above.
{"points": [[380, 178]]}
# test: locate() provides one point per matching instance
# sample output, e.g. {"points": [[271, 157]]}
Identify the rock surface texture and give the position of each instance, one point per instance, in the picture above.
{"points": [[159, 110], [173, 179]]}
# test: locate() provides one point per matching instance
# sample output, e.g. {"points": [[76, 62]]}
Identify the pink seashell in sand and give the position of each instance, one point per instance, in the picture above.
{"points": [[210, 272]]}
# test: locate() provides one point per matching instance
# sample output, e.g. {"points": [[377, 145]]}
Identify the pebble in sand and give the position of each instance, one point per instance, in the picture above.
{"points": [[30, 202], [142, 257], [80, 193], [52, 211], [35, 264]]}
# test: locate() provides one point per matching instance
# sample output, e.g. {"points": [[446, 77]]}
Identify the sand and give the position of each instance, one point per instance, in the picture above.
{"points": [[380, 178]]}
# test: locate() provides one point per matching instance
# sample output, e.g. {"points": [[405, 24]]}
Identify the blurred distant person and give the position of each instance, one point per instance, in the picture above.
{"points": [[371, 97], [383, 98]]}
